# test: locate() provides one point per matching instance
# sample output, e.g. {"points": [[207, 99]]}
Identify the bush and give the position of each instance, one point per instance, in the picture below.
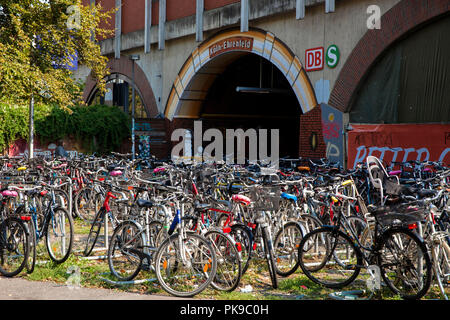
{"points": [[99, 128]]}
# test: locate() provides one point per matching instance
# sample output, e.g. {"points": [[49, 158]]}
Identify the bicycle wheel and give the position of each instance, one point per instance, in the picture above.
{"points": [[317, 254], [229, 266], [286, 248], [244, 241], [441, 260], [309, 222], [31, 261], [124, 252], [87, 203], [154, 229], [59, 235], [356, 228], [223, 217], [270, 257], [191, 275], [94, 232], [62, 199], [404, 263], [31, 231], [13, 247]]}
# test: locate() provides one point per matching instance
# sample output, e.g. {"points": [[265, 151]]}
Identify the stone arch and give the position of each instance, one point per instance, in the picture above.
{"points": [[401, 19], [202, 66], [123, 66]]}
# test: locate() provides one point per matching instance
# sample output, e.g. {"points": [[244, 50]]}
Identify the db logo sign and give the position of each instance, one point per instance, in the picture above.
{"points": [[314, 59]]}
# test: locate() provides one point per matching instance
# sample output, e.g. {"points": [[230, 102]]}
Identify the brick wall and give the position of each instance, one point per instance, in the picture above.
{"points": [[311, 123]]}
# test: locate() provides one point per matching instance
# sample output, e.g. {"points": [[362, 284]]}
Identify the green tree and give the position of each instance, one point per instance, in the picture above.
{"points": [[38, 38]]}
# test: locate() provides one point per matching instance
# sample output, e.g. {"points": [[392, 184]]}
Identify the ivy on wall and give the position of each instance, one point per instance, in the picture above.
{"points": [[99, 128]]}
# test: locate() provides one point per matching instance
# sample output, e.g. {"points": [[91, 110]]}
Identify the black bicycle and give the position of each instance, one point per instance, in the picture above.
{"points": [[46, 219], [14, 246], [334, 255]]}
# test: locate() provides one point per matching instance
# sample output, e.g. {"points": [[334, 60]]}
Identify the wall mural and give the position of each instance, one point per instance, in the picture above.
{"points": [[332, 129]]}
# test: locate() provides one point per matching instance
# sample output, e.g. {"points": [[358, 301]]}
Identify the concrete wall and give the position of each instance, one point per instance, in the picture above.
{"points": [[344, 28]]}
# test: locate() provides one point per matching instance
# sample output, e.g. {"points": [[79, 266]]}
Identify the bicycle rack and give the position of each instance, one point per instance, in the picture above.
{"points": [[121, 283]]}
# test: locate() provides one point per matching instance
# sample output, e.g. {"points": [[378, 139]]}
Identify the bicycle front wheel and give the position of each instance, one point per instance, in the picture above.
{"points": [[60, 235], [286, 248], [13, 247], [404, 263], [229, 267], [94, 232], [270, 257], [87, 202], [244, 241], [31, 261], [125, 251], [329, 257], [185, 266]]}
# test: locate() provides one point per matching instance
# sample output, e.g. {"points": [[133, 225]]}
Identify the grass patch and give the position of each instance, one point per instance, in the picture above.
{"points": [[297, 286]]}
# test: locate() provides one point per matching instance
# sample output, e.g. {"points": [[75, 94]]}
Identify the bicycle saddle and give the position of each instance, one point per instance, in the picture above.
{"points": [[9, 193], [288, 196], [242, 199], [144, 203]]}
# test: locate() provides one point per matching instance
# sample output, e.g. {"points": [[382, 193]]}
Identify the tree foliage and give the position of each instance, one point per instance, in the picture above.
{"points": [[99, 128], [37, 38]]}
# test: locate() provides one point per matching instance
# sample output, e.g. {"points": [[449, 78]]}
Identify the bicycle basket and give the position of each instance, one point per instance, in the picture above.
{"points": [[402, 214], [265, 198]]}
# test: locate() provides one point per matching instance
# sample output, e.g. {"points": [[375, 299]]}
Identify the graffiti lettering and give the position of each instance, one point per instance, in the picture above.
{"points": [[447, 137], [391, 154], [330, 130]]}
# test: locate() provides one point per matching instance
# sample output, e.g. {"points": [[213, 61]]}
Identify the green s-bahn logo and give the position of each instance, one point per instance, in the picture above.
{"points": [[332, 56]]}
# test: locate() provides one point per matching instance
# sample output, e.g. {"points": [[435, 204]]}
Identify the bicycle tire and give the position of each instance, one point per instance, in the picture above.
{"points": [[86, 203], [62, 199], [399, 248], [168, 265], [441, 260], [59, 247], [270, 258], [285, 246], [358, 228], [127, 240], [317, 257], [31, 261], [94, 232], [229, 267], [31, 230], [244, 239], [13, 239], [154, 229], [310, 222]]}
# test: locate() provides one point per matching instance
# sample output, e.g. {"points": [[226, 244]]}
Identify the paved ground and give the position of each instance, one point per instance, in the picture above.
{"points": [[20, 289]]}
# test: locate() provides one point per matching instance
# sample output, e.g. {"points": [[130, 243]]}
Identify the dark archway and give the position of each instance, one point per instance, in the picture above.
{"points": [[123, 66], [243, 80], [251, 93]]}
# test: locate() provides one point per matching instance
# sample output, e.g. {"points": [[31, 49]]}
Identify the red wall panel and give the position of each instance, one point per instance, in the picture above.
{"points": [[107, 5], [177, 9], [133, 15], [133, 12], [212, 4]]}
